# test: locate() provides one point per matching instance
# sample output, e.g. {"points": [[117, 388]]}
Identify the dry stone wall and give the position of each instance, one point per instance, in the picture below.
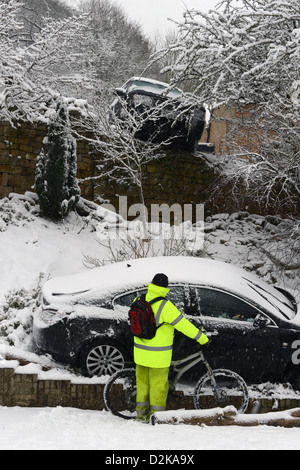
{"points": [[28, 390], [20, 146], [25, 389], [178, 177]]}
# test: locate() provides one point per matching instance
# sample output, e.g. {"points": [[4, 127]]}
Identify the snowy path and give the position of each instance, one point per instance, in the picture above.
{"points": [[70, 429]]}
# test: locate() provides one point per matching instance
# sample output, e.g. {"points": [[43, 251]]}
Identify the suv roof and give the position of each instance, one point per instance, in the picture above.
{"points": [[152, 86]]}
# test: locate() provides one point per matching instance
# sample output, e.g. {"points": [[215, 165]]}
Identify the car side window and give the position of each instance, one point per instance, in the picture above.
{"points": [[219, 304], [177, 296], [126, 299]]}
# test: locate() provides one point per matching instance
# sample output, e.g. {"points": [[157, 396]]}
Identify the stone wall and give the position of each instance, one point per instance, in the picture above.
{"points": [[19, 148], [28, 390], [178, 177]]}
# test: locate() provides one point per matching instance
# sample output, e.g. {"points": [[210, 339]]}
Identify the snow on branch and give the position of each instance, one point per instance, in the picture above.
{"points": [[235, 51]]}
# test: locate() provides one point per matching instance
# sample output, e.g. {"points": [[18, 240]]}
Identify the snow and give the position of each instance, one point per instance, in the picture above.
{"points": [[33, 250], [179, 269], [151, 85], [31, 245], [72, 429]]}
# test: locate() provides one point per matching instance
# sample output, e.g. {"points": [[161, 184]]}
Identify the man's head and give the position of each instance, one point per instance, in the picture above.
{"points": [[160, 280]]}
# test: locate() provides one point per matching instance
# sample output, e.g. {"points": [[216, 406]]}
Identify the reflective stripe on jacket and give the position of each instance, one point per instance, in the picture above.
{"points": [[157, 352]]}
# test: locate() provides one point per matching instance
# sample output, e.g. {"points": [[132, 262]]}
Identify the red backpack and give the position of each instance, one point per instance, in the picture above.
{"points": [[141, 317]]}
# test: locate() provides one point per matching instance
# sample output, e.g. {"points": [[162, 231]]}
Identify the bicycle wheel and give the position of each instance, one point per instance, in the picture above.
{"points": [[229, 389], [120, 394]]}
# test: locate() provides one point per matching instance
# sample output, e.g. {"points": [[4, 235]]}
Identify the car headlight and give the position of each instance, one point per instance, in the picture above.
{"points": [[50, 316], [144, 100]]}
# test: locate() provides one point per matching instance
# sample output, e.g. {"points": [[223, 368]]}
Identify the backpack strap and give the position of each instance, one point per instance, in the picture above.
{"points": [[157, 317], [156, 300], [153, 301]]}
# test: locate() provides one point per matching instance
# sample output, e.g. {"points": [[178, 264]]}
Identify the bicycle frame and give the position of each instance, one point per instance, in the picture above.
{"points": [[192, 360], [216, 388]]}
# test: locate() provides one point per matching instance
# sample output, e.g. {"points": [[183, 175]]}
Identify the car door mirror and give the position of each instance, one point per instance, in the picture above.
{"points": [[261, 321]]}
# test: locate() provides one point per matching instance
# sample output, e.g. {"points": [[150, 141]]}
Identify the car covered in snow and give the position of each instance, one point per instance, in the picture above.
{"points": [[83, 319], [166, 113]]}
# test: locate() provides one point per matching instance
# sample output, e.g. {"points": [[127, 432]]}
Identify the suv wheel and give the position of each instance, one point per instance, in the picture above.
{"points": [[102, 358]]}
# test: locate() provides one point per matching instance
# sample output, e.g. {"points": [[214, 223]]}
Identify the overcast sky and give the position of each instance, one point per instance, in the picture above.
{"points": [[153, 15]]}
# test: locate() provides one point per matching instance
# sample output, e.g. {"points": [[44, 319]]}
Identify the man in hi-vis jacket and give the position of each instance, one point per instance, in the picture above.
{"points": [[153, 356]]}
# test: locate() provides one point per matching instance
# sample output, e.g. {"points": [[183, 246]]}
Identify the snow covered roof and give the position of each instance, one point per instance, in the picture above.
{"points": [[137, 273]]}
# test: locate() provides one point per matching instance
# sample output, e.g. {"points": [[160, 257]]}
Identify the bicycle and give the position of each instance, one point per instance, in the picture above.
{"points": [[219, 387]]}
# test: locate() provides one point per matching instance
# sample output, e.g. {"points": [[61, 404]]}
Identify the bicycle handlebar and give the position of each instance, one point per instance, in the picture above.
{"points": [[211, 333]]}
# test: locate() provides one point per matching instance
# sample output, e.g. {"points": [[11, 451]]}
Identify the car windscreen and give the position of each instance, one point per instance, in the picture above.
{"points": [[277, 299]]}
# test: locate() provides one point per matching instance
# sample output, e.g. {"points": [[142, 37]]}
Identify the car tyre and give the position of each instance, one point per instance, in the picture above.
{"points": [[102, 357]]}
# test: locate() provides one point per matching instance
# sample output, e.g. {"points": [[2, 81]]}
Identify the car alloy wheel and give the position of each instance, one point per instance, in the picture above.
{"points": [[102, 359]]}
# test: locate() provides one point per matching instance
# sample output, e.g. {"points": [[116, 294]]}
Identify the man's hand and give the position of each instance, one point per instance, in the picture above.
{"points": [[203, 339]]}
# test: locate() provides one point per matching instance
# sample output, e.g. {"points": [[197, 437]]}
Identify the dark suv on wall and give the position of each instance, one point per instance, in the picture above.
{"points": [[165, 113], [83, 319]]}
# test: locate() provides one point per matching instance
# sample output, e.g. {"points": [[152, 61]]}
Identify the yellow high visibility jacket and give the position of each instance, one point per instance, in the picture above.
{"points": [[157, 352]]}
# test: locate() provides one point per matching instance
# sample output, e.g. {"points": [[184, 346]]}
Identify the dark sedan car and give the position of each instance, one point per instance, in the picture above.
{"points": [[83, 319], [165, 114]]}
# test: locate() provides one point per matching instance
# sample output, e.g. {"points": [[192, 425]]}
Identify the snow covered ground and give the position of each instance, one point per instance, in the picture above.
{"points": [[33, 249], [72, 429]]}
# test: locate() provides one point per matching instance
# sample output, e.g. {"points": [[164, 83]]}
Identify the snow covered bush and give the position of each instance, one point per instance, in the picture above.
{"points": [[18, 209], [55, 182], [132, 244], [16, 314]]}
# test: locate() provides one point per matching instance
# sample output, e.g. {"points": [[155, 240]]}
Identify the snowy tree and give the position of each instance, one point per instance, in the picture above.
{"points": [[33, 15], [28, 74], [10, 67], [265, 157], [56, 183], [115, 47], [51, 61], [241, 52], [122, 156], [77, 55], [245, 55]]}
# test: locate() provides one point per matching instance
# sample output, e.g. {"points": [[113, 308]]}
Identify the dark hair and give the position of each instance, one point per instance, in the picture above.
{"points": [[160, 280]]}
